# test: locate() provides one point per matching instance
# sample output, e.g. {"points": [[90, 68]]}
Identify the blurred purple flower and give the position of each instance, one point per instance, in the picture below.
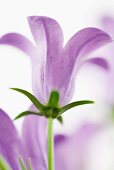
{"points": [[108, 24], [70, 152], [53, 67]]}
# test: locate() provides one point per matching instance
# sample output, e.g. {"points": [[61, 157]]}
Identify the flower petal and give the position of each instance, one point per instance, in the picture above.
{"points": [[10, 146], [99, 62], [34, 138], [49, 39], [70, 152], [79, 46], [20, 42]]}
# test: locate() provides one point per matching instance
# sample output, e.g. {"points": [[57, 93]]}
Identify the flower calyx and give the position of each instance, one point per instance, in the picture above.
{"points": [[52, 109]]}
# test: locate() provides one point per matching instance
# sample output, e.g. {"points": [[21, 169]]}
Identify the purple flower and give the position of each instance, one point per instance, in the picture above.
{"points": [[108, 24], [53, 67], [10, 145], [69, 151]]}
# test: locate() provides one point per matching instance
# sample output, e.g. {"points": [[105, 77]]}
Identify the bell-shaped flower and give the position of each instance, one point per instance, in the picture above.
{"points": [[55, 66]]}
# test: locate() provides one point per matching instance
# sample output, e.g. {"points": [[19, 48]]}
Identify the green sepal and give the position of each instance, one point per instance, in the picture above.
{"points": [[54, 99], [33, 99], [60, 119], [3, 164], [26, 113], [52, 108], [74, 104], [22, 164]]}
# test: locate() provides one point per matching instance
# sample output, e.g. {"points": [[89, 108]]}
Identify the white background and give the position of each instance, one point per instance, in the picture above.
{"points": [[15, 70]]}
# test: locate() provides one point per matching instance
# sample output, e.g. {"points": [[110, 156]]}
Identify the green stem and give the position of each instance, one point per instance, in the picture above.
{"points": [[50, 145]]}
